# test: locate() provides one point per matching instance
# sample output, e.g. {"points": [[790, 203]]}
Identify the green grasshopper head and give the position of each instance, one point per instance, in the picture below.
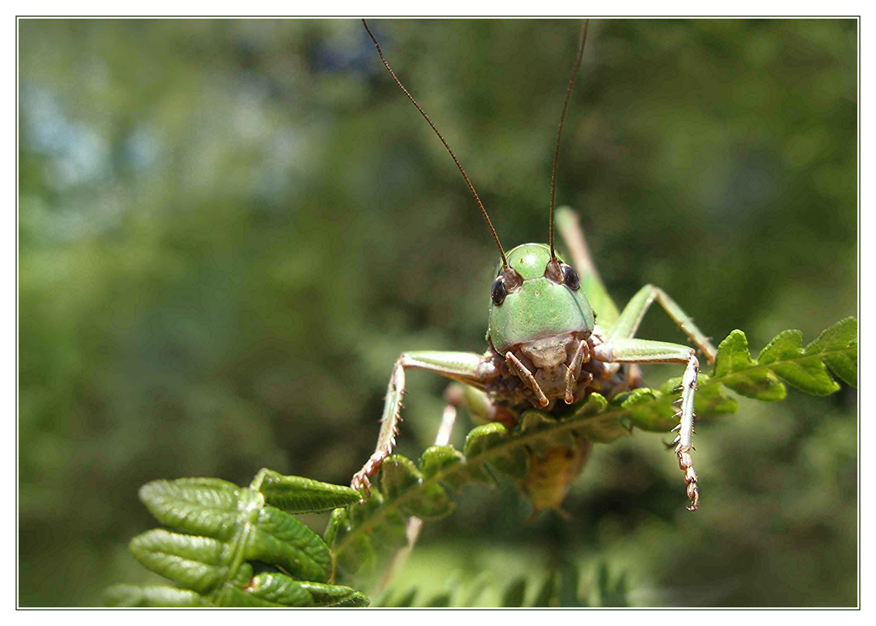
{"points": [[536, 298]]}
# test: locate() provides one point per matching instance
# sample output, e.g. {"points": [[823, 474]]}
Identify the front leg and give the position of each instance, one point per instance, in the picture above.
{"points": [[465, 367], [632, 350]]}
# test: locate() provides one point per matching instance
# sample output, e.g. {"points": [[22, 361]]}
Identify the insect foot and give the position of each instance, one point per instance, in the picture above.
{"points": [[360, 480], [690, 477], [685, 431], [361, 484]]}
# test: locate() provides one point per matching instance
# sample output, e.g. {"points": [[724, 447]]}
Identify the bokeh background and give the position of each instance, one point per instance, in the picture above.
{"points": [[230, 229]]}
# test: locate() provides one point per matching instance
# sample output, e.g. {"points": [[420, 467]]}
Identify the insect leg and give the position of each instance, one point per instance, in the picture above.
{"points": [[629, 350], [464, 367], [635, 310], [569, 226], [448, 420], [415, 524]]}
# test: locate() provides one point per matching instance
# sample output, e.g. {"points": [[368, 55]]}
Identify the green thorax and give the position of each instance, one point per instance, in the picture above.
{"points": [[540, 307]]}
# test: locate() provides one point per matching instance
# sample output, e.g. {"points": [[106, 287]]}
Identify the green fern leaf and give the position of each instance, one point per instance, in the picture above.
{"points": [[511, 460], [360, 557], [595, 424], [354, 600], [838, 346], [397, 475], [392, 533], [439, 459], [785, 355], [217, 511], [711, 399], [537, 422], [281, 590], [204, 506], [735, 368], [642, 406], [280, 539], [196, 563], [337, 524], [295, 494], [594, 405], [153, 596], [353, 552], [434, 504], [784, 358], [659, 413], [227, 530]]}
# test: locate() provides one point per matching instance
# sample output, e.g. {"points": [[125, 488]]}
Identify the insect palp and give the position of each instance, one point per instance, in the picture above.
{"points": [[526, 377]]}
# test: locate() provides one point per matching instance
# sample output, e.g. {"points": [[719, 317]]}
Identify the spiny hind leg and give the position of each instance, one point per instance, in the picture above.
{"points": [[633, 350], [466, 367], [569, 226], [628, 323]]}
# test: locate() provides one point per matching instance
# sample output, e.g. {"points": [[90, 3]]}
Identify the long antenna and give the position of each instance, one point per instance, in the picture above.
{"points": [[455, 160], [560, 131]]}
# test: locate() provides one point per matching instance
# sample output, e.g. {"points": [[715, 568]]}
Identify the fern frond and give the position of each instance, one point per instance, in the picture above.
{"points": [[424, 490], [240, 546], [232, 548]]}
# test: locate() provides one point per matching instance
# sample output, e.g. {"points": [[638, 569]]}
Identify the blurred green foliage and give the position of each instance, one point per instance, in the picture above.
{"points": [[230, 229]]}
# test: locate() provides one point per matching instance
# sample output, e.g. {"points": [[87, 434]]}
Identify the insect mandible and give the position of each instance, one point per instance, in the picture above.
{"points": [[545, 349]]}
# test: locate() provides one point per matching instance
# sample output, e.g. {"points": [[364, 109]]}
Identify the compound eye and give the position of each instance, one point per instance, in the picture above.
{"points": [[570, 278], [498, 293]]}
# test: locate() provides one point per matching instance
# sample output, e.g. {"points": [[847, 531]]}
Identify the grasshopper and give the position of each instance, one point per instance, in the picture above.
{"points": [[545, 349]]}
